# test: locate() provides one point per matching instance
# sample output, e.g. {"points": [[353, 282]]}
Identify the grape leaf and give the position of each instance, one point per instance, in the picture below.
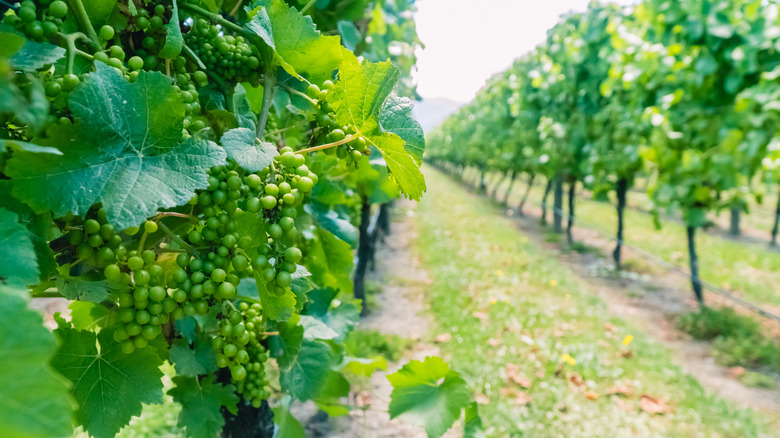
{"points": [[131, 161], [330, 261], [252, 155], [275, 307], [357, 99], [109, 385], [18, 267], [396, 118], [195, 360], [34, 400], [243, 110], [25, 146], [315, 329], [364, 366], [289, 426], [401, 165], [200, 404], [85, 315], [307, 374], [286, 346], [331, 392], [330, 220], [34, 55], [12, 42], [428, 394], [39, 226], [360, 92], [299, 46], [31, 107], [342, 318], [350, 35], [473, 422], [84, 290], [174, 42]]}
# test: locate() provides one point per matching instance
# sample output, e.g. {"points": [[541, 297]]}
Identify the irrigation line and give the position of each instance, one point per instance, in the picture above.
{"points": [[669, 266]]}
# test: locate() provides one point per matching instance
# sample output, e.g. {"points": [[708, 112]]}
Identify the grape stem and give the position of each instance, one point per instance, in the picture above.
{"points": [[142, 241], [296, 92], [70, 41], [83, 20], [175, 238], [308, 6], [233, 11], [269, 84], [216, 18], [346, 139], [174, 214]]}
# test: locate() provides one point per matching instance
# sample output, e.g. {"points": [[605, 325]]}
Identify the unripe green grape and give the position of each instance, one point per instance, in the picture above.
{"points": [[253, 205], [227, 290], [95, 240], [239, 263], [269, 274], [284, 188], [155, 309], [271, 189], [112, 272], [127, 314], [141, 294], [135, 263], [75, 237], [91, 226], [269, 202], [183, 260], [127, 346], [148, 332], [84, 251], [230, 350], [58, 9], [150, 227], [288, 159], [143, 23], [70, 81], [218, 275], [222, 361], [189, 309], [179, 276], [289, 212], [283, 279], [155, 22], [148, 256], [120, 334], [196, 265], [133, 328], [136, 63], [198, 277], [52, 89], [289, 199], [157, 293], [286, 223], [142, 317], [293, 254], [275, 231], [140, 342]]}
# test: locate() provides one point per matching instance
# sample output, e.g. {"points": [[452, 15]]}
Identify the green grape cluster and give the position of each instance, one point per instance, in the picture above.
{"points": [[230, 344], [254, 387], [353, 150], [227, 56], [147, 304], [95, 239], [280, 191], [202, 282], [39, 22]]}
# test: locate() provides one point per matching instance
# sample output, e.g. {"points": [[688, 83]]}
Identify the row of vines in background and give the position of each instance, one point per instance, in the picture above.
{"points": [[680, 93], [189, 175]]}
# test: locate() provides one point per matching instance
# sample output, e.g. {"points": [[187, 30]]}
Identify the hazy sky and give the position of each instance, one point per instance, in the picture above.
{"points": [[469, 40]]}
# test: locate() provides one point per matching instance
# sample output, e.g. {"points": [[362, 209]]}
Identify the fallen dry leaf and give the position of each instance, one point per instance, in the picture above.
{"points": [[523, 399], [479, 315], [493, 342], [481, 398], [627, 354], [653, 405], [444, 337], [575, 378], [363, 399], [591, 395], [737, 371], [514, 375], [620, 390], [610, 327], [624, 405]]}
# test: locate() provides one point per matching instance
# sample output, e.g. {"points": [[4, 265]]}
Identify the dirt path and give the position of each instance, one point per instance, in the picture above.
{"points": [[653, 302], [400, 311]]}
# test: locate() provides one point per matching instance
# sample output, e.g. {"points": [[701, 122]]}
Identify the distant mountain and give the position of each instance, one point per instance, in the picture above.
{"points": [[433, 110]]}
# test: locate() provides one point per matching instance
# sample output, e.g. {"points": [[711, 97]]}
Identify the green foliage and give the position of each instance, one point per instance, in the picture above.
{"points": [[108, 384], [35, 401], [739, 339], [370, 343], [151, 179], [429, 394]]}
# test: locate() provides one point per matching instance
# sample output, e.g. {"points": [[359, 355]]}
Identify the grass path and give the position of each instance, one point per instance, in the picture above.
{"points": [[540, 348]]}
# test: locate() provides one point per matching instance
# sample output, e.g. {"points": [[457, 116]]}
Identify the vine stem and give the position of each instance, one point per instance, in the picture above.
{"points": [[51, 294], [233, 11], [217, 19], [83, 20], [303, 95], [346, 139], [308, 6], [175, 238], [70, 41], [175, 214], [269, 84]]}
